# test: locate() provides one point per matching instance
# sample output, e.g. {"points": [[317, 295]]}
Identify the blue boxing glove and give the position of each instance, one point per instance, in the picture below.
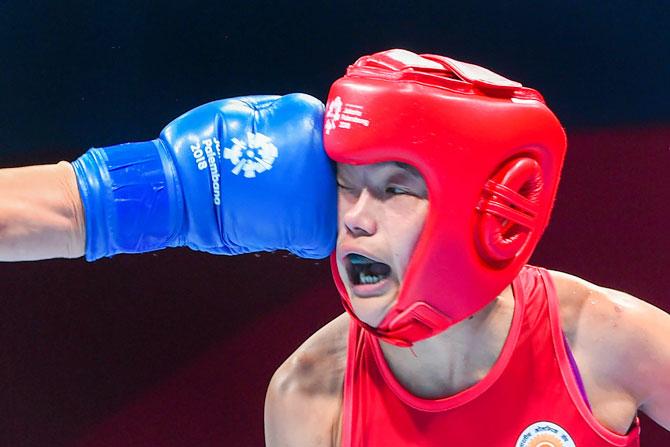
{"points": [[232, 176]]}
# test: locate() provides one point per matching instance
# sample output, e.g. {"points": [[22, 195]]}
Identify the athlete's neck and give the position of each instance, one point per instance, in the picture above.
{"points": [[456, 358]]}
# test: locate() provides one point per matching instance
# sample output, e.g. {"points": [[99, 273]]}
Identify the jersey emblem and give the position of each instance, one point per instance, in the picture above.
{"points": [[254, 155], [544, 434]]}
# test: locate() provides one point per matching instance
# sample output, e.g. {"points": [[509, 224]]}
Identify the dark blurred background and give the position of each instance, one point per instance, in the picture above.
{"points": [[175, 348]]}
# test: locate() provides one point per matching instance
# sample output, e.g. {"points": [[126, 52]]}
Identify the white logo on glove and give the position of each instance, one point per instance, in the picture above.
{"points": [[207, 158], [253, 156], [343, 115]]}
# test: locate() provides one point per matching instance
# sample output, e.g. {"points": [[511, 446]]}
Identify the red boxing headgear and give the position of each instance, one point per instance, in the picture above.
{"points": [[490, 152]]}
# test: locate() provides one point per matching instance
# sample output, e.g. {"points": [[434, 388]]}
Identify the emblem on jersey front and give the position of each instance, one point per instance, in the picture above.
{"points": [[544, 434], [252, 156], [343, 115]]}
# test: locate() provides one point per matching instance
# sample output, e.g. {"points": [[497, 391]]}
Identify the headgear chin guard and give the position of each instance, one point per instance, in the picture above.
{"points": [[490, 152]]}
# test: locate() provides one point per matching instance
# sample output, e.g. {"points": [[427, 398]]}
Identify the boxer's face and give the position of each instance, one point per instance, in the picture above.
{"points": [[381, 211]]}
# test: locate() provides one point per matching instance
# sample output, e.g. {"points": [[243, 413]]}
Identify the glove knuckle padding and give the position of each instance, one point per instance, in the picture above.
{"points": [[265, 194]]}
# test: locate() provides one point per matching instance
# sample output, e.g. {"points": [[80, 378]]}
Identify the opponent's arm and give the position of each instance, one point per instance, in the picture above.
{"points": [[41, 214], [232, 176]]}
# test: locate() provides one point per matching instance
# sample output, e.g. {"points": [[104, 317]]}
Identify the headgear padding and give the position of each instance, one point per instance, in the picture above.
{"points": [[490, 152]]}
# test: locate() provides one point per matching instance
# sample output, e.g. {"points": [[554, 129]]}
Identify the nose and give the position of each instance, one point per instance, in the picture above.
{"points": [[359, 216]]}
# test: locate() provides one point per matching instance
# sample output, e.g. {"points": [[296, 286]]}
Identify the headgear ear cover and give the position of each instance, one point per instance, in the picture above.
{"points": [[490, 152]]}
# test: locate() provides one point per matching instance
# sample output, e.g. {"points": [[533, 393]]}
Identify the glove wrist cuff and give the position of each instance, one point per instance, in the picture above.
{"points": [[132, 198]]}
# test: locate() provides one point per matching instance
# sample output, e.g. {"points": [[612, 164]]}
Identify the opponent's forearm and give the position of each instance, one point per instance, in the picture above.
{"points": [[41, 214]]}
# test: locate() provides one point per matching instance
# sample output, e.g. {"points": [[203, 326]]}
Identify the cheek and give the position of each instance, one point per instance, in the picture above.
{"points": [[405, 230]]}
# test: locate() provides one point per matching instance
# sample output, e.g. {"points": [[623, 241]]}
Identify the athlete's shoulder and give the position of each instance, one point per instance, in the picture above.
{"points": [[626, 339], [593, 310], [317, 366], [303, 401]]}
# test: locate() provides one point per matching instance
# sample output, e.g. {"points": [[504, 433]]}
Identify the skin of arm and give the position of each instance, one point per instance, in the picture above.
{"points": [[41, 214], [624, 345], [644, 366], [303, 401]]}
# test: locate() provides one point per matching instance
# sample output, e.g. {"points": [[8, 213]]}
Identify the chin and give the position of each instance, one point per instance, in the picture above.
{"points": [[372, 310]]}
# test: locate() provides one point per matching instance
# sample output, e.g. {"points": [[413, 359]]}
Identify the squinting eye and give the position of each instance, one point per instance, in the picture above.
{"points": [[396, 190], [348, 189]]}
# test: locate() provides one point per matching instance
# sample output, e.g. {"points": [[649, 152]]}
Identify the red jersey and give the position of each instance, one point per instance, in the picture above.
{"points": [[531, 396]]}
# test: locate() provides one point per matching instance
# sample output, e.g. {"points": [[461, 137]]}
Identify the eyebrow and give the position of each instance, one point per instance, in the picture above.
{"points": [[409, 168]]}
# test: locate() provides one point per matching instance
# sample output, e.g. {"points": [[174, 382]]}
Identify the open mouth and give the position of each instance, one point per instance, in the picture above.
{"points": [[363, 270]]}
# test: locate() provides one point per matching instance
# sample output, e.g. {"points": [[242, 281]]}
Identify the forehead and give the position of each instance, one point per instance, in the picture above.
{"points": [[388, 167]]}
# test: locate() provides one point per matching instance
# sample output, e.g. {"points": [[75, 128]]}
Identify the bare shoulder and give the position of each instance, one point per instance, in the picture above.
{"points": [[597, 313], [625, 340], [303, 401], [317, 366], [586, 307]]}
